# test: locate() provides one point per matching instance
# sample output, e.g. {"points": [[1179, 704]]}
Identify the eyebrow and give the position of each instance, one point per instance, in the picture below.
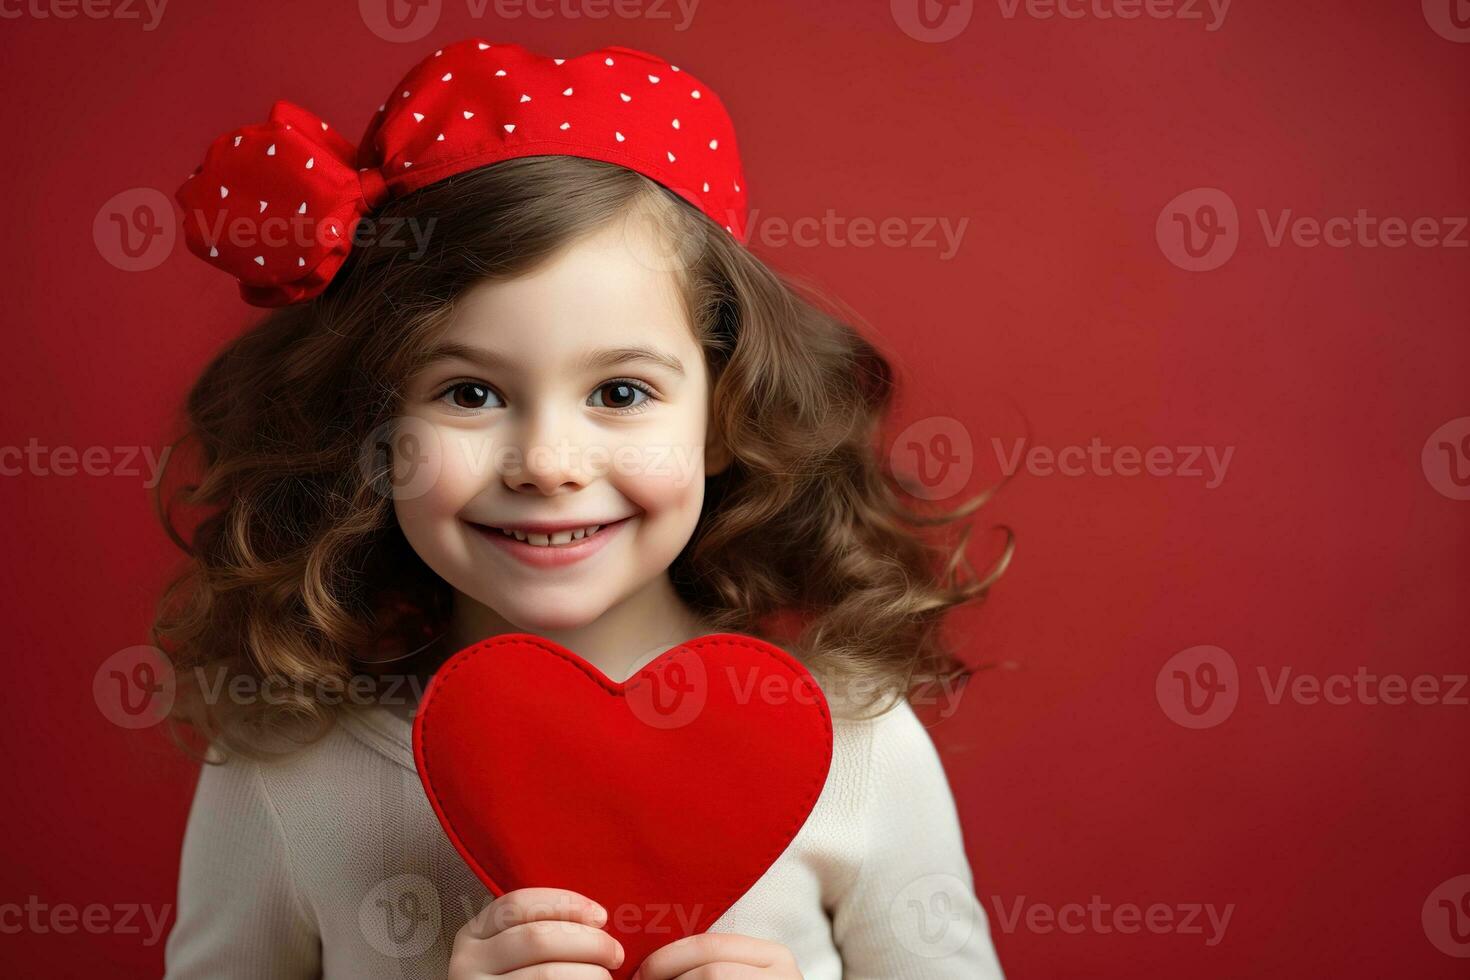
{"points": [[603, 357]]}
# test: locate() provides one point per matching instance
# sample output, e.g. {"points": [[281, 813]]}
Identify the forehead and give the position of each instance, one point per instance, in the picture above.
{"points": [[600, 290]]}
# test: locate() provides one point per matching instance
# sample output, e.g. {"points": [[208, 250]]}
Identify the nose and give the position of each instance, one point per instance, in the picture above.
{"points": [[551, 457]]}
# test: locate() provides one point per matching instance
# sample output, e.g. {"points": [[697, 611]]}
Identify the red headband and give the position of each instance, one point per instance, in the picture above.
{"points": [[276, 204]]}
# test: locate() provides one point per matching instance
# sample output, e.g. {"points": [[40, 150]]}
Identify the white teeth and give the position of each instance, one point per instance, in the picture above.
{"points": [[547, 540]]}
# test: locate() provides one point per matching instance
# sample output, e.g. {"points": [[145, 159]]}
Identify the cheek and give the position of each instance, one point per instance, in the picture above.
{"points": [[466, 464], [662, 472], [435, 475], [659, 493]]}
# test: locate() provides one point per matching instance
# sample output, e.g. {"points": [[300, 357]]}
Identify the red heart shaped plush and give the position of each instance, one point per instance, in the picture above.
{"points": [[663, 798]]}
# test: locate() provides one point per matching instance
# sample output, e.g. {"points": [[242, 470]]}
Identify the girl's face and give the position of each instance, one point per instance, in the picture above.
{"points": [[570, 398]]}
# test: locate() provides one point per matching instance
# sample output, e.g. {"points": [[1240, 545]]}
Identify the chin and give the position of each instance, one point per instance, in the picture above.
{"points": [[546, 616]]}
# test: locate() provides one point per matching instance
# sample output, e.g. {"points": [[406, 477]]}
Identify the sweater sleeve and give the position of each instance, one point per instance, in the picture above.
{"points": [[910, 911], [239, 915]]}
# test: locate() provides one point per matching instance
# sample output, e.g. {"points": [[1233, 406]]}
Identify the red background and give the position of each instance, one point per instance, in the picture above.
{"points": [[1324, 549]]}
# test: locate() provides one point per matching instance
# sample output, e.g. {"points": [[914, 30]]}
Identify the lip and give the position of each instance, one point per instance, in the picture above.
{"points": [[553, 556], [551, 527]]}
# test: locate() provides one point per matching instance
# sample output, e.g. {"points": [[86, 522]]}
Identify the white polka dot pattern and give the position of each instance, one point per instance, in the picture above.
{"points": [[275, 204]]}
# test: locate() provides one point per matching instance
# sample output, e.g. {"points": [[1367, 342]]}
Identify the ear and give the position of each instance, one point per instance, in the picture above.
{"points": [[717, 455]]}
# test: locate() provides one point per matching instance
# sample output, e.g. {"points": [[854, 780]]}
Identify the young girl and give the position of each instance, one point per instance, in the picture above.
{"points": [[525, 376]]}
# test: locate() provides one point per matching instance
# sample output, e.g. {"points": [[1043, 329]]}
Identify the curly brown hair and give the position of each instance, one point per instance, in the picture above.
{"points": [[298, 574]]}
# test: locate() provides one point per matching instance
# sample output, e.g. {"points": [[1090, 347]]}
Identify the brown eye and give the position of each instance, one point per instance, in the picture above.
{"points": [[469, 394], [622, 395]]}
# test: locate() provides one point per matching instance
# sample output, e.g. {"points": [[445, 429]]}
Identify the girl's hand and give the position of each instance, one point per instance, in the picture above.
{"points": [[531, 927], [740, 958]]}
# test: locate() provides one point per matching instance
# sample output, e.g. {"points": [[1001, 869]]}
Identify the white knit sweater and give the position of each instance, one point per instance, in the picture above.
{"points": [[331, 864]]}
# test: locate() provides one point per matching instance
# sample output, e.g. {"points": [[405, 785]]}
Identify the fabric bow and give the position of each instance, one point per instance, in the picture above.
{"points": [[276, 205]]}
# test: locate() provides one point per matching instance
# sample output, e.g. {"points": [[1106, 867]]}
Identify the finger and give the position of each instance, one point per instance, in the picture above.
{"points": [[544, 941], [564, 971], [727, 971], [708, 948], [533, 904]]}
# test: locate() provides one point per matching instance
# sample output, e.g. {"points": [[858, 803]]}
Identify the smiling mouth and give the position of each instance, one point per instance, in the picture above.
{"points": [[558, 539]]}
